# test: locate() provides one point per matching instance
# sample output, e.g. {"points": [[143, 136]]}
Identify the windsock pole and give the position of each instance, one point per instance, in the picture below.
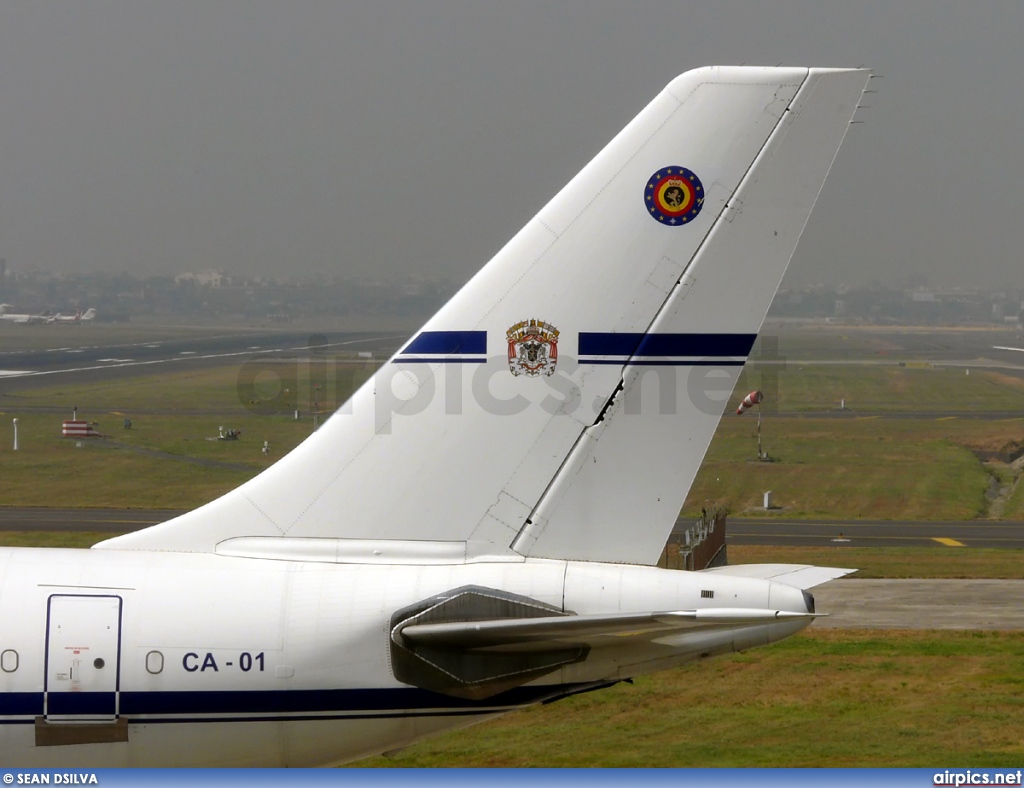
{"points": [[752, 399], [760, 456]]}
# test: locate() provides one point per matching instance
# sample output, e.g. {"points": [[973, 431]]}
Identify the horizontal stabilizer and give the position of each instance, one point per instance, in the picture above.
{"points": [[797, 575], [527, 634]]}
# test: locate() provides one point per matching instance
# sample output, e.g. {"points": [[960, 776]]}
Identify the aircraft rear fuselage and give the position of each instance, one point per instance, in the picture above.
{"points": [[206, 660]]}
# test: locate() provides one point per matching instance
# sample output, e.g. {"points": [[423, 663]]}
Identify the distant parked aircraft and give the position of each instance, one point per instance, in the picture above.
{"points": [[78, 317], [11, 317]]}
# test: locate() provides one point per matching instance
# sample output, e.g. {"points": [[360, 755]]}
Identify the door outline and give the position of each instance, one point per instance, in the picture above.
{"points": [[84, 717]]}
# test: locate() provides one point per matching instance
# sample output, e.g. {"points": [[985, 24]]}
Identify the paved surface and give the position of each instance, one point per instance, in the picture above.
{"points": [[30, 369], [871, 533], [740, 531], [920, 604], [104, 520]]}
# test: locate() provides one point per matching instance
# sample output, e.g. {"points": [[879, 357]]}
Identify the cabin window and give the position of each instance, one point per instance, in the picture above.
{"points": [[9, 661], [154, 662]]}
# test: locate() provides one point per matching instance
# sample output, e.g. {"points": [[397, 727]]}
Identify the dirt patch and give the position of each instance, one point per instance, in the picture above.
{"points": [[996, 448], [1008, 381]]}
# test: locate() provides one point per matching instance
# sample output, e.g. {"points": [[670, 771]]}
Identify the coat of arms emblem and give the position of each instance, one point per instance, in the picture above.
{"points": [[532, 348], [674, 196]]}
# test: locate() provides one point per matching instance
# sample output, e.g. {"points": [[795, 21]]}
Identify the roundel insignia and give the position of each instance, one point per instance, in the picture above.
{"points": [[674, 195]]}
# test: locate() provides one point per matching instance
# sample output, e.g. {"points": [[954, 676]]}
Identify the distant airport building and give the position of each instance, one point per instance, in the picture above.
{"points": [[211, 278]]}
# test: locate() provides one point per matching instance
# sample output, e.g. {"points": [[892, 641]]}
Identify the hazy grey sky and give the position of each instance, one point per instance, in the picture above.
{"points": [[280, 138]]}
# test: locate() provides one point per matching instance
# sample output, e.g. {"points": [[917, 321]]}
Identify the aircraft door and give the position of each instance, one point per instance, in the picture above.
{"points": [[83, 658]]}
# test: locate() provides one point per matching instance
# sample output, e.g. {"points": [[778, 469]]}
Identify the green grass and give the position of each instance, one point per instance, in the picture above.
{"points": [[1015, 506], [49, 470], [825, 698], [827, 468], [79, 539], [162, 462], [167, 459], [869, 469], [885, 388]]}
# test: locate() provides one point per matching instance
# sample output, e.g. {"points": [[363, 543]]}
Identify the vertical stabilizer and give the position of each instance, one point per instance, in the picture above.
{"points": [[561, 402]]}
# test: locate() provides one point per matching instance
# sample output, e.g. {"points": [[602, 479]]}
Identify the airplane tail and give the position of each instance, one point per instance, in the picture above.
{"points": [[90, 314], [561, 403]]}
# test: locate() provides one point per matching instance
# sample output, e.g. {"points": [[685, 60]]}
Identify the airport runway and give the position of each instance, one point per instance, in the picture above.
{"points": [[920, 604], [875, 533], [14, 518], [69, 358], [739, 530], [29, 369]]}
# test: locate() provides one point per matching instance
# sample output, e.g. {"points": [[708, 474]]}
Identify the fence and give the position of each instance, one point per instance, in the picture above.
{"points": [[698, 546]]}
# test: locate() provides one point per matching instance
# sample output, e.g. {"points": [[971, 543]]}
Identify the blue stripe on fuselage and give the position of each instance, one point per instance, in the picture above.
{"points": [[665, 345], [447, 343], [595, 347], [391, 702]]}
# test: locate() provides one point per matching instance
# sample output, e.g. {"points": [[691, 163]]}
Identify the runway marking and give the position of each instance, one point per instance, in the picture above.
{"points": [[946, 418], [948, 542], [867, 418], [204, 357]]}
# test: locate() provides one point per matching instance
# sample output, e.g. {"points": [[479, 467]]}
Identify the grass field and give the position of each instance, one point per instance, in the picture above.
{"points": [[823, 698], [868, 467], [881, 388], [52, 471], [168, 458], [915, 469]]}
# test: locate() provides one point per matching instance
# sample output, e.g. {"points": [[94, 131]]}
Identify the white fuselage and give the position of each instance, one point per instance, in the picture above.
{"points": [[214, 660]]}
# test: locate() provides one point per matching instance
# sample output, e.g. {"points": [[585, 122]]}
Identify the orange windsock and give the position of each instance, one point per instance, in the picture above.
{"points": [[749, 401]]}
